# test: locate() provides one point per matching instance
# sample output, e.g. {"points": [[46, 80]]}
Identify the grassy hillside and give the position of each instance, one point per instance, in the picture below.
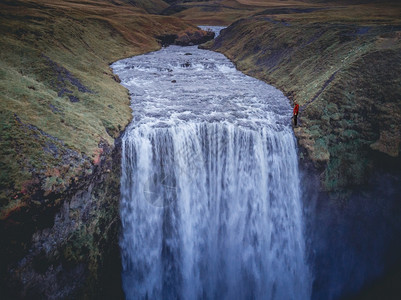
{"points": [[343, 66], [61, 108], [225, 12], [222, 12], [59, 98], [153, 6]]}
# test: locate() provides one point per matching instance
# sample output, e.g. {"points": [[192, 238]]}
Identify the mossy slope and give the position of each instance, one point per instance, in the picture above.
{"points": [[59, 98], [61, 109], [344, 73]]}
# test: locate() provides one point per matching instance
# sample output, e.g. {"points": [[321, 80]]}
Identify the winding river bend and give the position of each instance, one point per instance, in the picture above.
{"points": [[210, 191]]}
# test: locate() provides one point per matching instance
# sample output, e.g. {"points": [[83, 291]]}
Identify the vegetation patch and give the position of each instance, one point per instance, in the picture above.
{"points": [[344, 73], [61, 107], [59, 97]]}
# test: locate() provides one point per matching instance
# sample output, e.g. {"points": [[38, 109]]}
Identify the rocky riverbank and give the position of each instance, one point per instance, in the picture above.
{"points": [[346, 78]]}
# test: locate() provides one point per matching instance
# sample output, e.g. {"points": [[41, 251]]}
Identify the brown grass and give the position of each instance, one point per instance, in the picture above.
{"points": [[228, 11], [343, 67], [37, 40], [274, 3]]}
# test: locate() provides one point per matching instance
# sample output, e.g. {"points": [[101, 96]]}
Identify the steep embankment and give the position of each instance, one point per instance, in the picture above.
{"points": [[61, 110], [343, 66]]}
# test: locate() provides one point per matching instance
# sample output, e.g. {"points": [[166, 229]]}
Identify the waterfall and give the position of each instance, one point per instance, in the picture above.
{"points": [[210, 197]]}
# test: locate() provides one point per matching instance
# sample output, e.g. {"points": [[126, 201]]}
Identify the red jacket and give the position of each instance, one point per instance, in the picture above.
{"points": [[296, 109]]}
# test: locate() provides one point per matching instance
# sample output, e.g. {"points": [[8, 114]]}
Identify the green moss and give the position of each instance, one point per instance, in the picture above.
{"points": [[96, 235]]}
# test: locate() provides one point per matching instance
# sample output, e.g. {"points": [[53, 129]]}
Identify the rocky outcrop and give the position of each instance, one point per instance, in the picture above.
{"points": [[186, 38], [194, 38], [346, 79], [75, 252]]}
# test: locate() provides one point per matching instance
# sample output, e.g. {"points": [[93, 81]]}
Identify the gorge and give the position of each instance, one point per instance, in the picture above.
{"points": [[218, 199]]}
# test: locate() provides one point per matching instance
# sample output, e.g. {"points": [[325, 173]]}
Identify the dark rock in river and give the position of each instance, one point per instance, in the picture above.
{"points": [[194, 38], [187, 38]]}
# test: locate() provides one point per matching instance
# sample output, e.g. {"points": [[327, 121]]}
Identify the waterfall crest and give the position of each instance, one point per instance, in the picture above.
{"points": [[210, 197]]}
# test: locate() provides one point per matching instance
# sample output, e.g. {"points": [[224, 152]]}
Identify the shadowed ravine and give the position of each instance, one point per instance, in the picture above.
{"points": [[210, 191]]}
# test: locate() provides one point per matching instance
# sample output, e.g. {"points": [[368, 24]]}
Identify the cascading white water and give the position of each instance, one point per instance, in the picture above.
{"points": [[210, 200]]}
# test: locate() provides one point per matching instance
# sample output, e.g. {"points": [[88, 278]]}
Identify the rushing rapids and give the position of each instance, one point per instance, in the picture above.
{"points": [[210, 198]]}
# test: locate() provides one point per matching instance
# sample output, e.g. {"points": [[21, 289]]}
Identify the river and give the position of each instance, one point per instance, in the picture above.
{"points": [[210, 193]]}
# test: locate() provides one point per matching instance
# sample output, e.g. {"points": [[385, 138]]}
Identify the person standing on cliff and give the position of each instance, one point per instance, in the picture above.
{"points": [[295, 113]]}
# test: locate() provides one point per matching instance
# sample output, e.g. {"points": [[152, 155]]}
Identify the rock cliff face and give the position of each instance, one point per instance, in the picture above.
{"points": [[75, 254], [346, 79]]}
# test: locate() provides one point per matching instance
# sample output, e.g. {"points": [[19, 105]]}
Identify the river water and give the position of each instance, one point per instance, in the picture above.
{"points": [[210, 196]]}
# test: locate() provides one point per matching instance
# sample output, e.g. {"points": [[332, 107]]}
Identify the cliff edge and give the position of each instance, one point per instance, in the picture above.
{"points": [[345, 74]]}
